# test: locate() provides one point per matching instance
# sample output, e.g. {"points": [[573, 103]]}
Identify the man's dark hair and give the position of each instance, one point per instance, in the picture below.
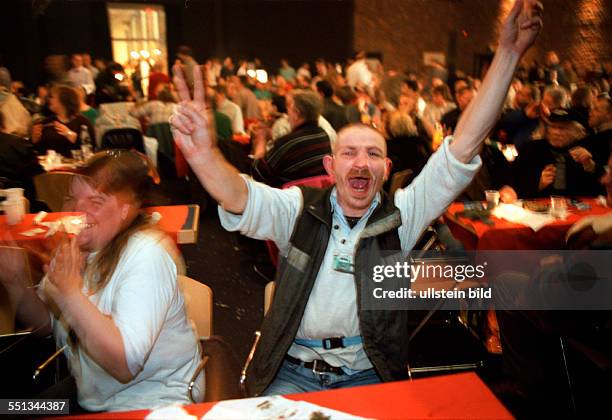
{"points": [[325, 88], [221, 90], [534, 92], [463, 89], [69, 99], [346, 95], [279, 102], [185, 50], [442, 90], [412, 84], [165, 95]]}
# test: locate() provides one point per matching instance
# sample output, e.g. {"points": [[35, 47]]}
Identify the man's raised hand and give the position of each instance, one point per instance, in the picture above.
{"points": [[191, 127], [522, 25]]}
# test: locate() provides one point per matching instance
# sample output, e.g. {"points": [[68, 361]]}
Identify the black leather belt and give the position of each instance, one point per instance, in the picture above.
{"points": [[317, 366]]}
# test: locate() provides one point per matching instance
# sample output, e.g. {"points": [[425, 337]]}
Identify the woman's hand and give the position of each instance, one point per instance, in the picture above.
{"points": [[65, 272], [192, 129], [65, 131]]}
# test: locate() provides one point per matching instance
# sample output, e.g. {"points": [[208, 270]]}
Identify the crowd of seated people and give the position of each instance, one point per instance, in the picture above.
{"points": [[292, 119]]}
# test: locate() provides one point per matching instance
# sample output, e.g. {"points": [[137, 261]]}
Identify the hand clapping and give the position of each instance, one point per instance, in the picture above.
{"points": [[65, 271]]}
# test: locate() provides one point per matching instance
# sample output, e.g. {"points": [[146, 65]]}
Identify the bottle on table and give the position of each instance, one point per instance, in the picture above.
{"points": [[86, 146]]}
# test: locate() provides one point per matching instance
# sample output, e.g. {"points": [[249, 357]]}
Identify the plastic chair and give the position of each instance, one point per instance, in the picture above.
{"points": [[123, 138], [219, 361], [52, 188], [269, 295], [198, 304]]}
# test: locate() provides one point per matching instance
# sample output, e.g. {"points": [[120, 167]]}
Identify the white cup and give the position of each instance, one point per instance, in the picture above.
{"points": [[558, 207], [14, 205], [13, 193], [492, 198]]}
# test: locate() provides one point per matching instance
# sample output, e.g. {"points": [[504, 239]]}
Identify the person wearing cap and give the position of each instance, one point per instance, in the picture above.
{"points": [[556, 165]]}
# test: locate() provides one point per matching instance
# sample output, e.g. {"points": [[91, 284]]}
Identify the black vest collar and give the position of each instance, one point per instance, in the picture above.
{"points": [[384, 217]]}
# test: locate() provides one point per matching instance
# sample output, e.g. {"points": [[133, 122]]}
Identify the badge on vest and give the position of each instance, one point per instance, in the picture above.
{"points": [[343, 263]]}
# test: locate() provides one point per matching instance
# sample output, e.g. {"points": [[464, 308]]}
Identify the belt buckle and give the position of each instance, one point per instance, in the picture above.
{"points": [[333, 343], [315, 363]]}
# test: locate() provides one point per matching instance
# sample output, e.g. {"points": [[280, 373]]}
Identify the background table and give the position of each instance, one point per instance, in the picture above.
{"points": [[461, 395], [180, 222], [504, 235]]}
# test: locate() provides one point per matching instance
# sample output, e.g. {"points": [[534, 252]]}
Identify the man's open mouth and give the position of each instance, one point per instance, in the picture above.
{"points": [[360, 183]]}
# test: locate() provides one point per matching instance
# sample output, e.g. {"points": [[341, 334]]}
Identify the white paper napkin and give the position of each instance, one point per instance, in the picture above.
{"points": [[522, 216]]}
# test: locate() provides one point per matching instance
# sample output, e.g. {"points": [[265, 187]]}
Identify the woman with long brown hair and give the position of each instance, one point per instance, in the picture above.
{"points": [[62, 131], [113, 296]]}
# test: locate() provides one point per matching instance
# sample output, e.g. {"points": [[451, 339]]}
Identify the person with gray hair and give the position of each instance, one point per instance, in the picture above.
{"points": [[298, 154], [554, 97]]}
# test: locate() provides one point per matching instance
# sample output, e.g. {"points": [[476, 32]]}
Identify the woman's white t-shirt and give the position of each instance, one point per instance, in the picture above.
{"points": [[144, 301]]}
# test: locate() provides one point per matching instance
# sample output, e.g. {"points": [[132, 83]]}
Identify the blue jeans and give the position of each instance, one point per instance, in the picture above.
{"points": [[293, 379]]}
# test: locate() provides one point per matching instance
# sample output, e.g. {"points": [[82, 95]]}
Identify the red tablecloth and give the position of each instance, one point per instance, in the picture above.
{"points": [[504, 235], [180, 222], [461, 395]]}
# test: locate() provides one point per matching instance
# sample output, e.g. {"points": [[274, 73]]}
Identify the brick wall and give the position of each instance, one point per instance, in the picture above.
{"points": [[403, 29]]}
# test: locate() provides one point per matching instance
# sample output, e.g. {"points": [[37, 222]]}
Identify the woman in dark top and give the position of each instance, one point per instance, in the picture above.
{"points": [[62, 131]]}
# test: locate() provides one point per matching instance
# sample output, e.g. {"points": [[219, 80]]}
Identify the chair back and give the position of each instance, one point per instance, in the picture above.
{"points": [[123, 138], [199, 305], [320, 181], [269, 295], [52, 188], [163, 134], [7, 308], [399, 180]]}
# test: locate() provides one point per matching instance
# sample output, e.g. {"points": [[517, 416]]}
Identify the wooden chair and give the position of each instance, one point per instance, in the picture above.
{"points": [[52, 188], [7, 308], [199, 304], [268, 298], [219, 360], [269, 295]]}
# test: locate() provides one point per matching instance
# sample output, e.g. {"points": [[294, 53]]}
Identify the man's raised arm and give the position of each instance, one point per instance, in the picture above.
{"points": [[195, 135], [518, 33]]}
